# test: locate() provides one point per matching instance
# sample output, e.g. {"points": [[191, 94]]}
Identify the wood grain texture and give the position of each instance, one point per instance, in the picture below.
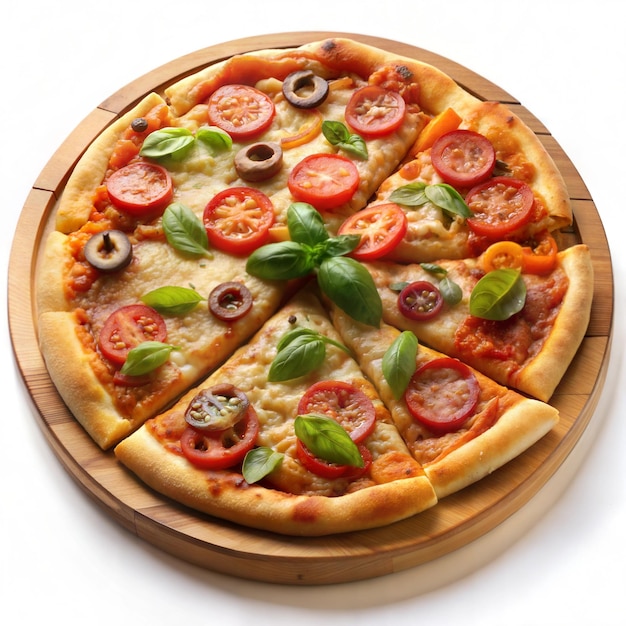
{"points": [[227, 548]]}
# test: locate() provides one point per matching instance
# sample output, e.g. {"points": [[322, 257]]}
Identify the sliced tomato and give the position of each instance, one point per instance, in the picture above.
{"points": [[502, 254], [420, 301], [344, 403], [541, 256], [324, 180], [442, 394], [219, 450], [500, 206], [381, 227], [238, 220], [241, 110], [127, 327], [140, 188], [373, 111], [326, 469], [463, 158]]}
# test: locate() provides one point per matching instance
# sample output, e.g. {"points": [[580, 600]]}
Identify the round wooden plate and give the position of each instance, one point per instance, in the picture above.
{"points": [[228, 548]]}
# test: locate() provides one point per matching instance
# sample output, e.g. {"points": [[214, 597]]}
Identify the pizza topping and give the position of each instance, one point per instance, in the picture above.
{"points": [[502, 254], [498, 295], [442, 195], [324, 180], [304, 89], [420, 301], [307, 132], [373, 111], [126, 328], [500, 206], [259, 462], [230, 301], [398, 365], [185, 231], [238, 219], [541, 256], [172, 300], [109, 251], [259, 161], [221, 449], [217, 408], [330, 469], [170, 141], [445, 122], [145, 358], [442, 394], [337, 134], [463, 158], [241, 110], [342, 402], [380, 227], [139, 124], [140, 188]]}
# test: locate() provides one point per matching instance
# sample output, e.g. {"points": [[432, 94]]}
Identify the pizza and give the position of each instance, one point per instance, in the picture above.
{"points": [[312, 290]]}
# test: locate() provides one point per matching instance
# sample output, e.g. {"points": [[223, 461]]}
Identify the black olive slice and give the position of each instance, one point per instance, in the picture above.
{"points": [[305, 89], [217, 408], [139, 124], [259, 161], [230, 301], [109, 251]]}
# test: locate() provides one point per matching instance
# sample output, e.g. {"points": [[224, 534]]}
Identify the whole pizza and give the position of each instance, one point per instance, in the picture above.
{"points": [[313, 290]]}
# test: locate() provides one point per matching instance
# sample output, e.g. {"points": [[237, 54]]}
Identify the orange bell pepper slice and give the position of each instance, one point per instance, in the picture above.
{"points": [[540, 258], [438, 126]]}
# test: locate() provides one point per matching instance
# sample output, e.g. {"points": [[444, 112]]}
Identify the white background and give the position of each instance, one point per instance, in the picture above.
{"points": [[560, 560]]}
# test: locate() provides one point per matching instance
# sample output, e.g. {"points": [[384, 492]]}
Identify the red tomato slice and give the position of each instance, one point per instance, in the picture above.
{"points": [[326, 469], [140, 188], [500, 206], [420, 301], [238, 220], [240, 110], [373, 111], [463, 158], [381, 227], [344, 403], [127, 327], [221, 449], [324, 180], [442, 394]]}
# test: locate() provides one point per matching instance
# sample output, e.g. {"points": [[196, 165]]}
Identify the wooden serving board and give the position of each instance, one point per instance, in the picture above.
{"points": [[228, 548]]}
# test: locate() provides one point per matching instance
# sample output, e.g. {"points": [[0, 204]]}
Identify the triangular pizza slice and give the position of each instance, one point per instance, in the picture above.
{"points": [[519, 327], [459, 424], [275, 465]]}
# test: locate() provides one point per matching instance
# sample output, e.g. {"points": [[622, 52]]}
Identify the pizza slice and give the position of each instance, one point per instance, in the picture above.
{"points": [[459, 424], [253, 443], [519, 322]]}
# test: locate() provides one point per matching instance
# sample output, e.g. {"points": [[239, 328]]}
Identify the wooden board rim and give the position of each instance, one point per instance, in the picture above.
{"points": [[262, 556]]}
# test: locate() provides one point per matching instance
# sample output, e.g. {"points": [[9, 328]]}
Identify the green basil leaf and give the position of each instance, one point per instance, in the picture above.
{"points": [[433, 268], [146, 357], [301, 355], [305, 224], [447, 198], [259, 462], [351, 287], [338, 246], [327, 439], [398, 287], [412, 194], [299, 331], [169, 141], [172, 300], [184, 231], [215, 138], [498, 295], [337, 134], [399, 362], [283, 260], [450, 291]]}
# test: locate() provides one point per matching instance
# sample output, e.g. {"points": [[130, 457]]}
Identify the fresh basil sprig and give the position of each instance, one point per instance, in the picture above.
{"points": [[184, 231], [171, 141], [172, 300], [327, 439], [498, 295], [146, 357], [300, 351], [450, 291], [399, 362], [259, 462], [337, 134], [345, 281], [215, 138], [441, 195]]}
